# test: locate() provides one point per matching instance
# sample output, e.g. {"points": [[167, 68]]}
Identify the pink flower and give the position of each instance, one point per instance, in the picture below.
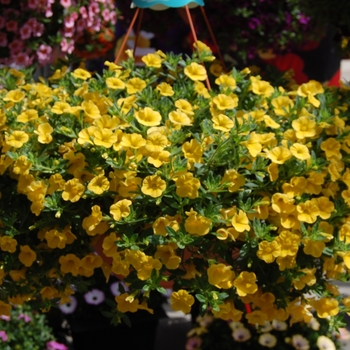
{"points": [[25, 317], [54, 345], [94, 8], [2, 22], [16, 46], [106, 14], [44, 54], [38, 29], [66, 3], [33, 4], [83, 12], [5, 318], [12, 26], [81, 25], [69, 32], [3, 39], [67, 46], [22, 60], [25, 31], [69, 22], [3, 336]]}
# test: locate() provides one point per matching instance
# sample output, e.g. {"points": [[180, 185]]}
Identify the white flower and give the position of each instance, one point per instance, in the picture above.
{"points": [[69, 308], [300, 343], [241, 334], [267, 327], [267, 340], [324, 343], [234, 325], [314, 324], [94, 297], [115, 288], [279, 325]]}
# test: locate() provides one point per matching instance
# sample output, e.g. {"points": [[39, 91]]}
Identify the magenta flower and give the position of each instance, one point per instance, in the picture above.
{"points": [[25, 31], [3, 336], [66, 3], [54, 345]]}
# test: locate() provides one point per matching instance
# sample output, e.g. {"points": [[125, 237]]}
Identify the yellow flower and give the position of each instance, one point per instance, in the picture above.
{"points": [[181, 301], [184, 106], [325, 307], [27, 256], [153, 186], [268, 251], [196, 224], [179, 118], [91, 110], [193, 151], [308, 278], [282, 105], [227, 311], [98, 184], [148, 117], [201, 89], [135, 85], [289, 244], [134, 141], [5, 309], [146, 267], [309, 90], [165, 89], [325, 207], [226, 81], [245, 283], [314, 248], [221, 275], [159, 158], [261, 87], [115, 83], [126, 303], [44, 132], [120, 209], [73, 190], [17, 139], [332, 148], [282, 203], [233, 180], [195, 72], [223, 102], [187, 186], [167, 255], [81, 73], [27, 116], [156, 142], [308, 211], [70, 263], [279, 154], [14, 96], [223, 123], [304, 127], [152, 60], [240, 221], [257, 317], [8, 244], [300, 151], [102, 137], [60, 107]]}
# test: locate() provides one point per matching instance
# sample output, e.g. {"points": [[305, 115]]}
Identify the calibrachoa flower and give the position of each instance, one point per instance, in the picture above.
{"points": [[236, 196]]}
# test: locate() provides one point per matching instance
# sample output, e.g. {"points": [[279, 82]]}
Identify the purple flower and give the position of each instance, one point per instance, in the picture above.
{"points": [[115, 288], [54, 345], [94, 297], [69, 308], [3, 336]]}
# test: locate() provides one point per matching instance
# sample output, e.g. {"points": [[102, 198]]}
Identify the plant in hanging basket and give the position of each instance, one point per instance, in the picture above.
{"points": [[237, 195]]}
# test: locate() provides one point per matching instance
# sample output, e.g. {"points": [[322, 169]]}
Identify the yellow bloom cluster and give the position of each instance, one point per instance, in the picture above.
{"points": [[239, 194]]}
